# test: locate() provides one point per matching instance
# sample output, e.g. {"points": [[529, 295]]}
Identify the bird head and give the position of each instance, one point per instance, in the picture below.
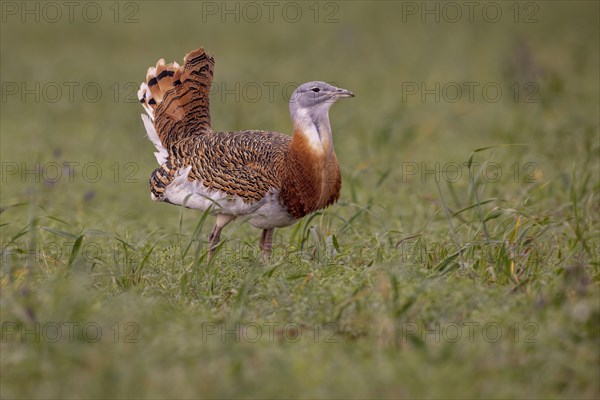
{"points": [[316, 97]]}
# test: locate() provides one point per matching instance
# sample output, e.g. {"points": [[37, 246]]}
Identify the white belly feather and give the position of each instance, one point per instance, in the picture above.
{"points": [[265, 213]]}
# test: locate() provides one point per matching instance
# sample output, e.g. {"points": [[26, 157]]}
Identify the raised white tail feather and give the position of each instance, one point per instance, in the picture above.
{"points": [[144, 93], [162, 154]]}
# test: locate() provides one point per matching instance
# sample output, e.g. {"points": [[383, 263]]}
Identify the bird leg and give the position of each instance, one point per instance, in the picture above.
{"points": [[213, 240], [266, 243], [215, 234]]}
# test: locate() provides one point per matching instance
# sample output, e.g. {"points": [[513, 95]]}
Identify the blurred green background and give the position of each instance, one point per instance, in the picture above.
{"points": [[434, 82]]}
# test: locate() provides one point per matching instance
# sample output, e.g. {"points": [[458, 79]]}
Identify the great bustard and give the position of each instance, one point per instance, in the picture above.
{"points": [[270, 178]]}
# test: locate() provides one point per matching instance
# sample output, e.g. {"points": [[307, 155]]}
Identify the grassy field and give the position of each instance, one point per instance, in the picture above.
{"points": [[462, 260]]}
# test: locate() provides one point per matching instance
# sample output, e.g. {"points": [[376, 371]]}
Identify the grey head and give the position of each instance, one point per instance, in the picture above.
{"points": [[315, 98]]}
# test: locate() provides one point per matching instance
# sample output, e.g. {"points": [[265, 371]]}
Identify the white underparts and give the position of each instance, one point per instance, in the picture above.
{"points": [[265, 214]]}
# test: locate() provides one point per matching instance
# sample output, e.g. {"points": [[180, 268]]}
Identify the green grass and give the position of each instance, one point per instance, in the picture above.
{"points": [[419, 283]]}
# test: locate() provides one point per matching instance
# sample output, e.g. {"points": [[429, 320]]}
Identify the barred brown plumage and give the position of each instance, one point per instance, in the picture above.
{"points": [[271, 178], [244, 164]]}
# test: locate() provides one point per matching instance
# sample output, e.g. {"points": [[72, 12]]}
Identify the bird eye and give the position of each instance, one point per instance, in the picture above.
{"points": [[316, 89]]}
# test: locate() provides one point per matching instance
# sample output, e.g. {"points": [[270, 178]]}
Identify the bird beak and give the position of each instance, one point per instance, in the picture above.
{"points": [[339, 93]]}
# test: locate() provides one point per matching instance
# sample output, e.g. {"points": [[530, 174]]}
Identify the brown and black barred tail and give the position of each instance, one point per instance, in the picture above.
{"points": [[160, 179], [176, 98]]}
